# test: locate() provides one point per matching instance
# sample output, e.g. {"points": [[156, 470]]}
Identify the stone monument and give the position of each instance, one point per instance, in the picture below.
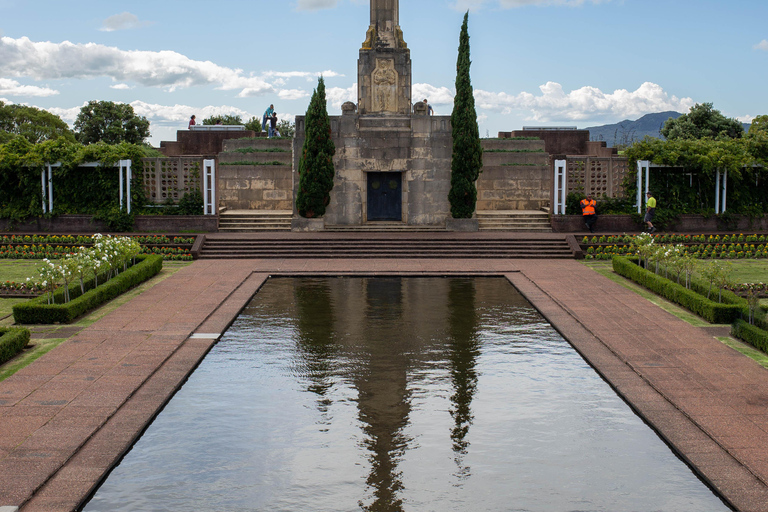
{"points": [[384, 66], [393, 159]]}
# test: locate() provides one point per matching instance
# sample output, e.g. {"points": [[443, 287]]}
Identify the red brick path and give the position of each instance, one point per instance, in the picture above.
{"points": [[68, 417]]}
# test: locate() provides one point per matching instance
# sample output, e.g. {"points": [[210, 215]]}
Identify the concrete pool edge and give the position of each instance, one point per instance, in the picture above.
{"points": [[84, 469], [685, 438]]}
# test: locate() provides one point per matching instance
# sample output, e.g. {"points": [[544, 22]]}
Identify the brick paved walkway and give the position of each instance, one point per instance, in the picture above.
{"points": [[67, 418]]}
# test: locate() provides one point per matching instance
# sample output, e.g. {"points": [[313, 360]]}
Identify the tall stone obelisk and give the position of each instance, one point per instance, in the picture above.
{"points": [[384, 66]]}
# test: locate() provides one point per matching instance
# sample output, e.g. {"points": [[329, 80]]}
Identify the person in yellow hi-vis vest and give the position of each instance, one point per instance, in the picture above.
{"points": [[588, 211], [650, 211]]}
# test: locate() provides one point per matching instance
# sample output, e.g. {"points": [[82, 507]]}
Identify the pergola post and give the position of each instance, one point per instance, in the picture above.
{"points": [[717, 191], [209, 187], [125, 164], [47, 185], [42, 179], [561, 187], [643, 166]]}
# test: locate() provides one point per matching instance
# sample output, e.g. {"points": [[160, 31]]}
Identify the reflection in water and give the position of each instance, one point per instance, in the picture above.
{"points": [[384, 401], [315, 344], [464, 351], [397, 395]]}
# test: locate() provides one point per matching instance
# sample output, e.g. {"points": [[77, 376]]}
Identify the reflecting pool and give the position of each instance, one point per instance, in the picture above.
{"points": [[388, 394]]}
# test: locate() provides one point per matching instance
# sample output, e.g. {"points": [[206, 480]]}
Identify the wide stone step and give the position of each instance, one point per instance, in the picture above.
{"points": [[226, 247], [259, 142], [265, 157], [247, 221]]}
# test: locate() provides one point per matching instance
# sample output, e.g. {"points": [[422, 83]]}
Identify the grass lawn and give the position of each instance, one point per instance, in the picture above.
{"points": [[18, 270], [39, 346], [743, 272]]}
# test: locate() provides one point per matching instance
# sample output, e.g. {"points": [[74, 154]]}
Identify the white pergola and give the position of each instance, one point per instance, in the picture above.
{"points": [[644, 175], [125, 175], [561, 186]]}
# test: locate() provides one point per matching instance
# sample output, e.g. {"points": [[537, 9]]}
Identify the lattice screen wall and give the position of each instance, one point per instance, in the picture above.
{"points": [[166, 178], [598, 176]]}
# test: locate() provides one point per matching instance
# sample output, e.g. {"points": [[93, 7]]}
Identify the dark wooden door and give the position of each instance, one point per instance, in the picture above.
{"points": [[385, 198]]}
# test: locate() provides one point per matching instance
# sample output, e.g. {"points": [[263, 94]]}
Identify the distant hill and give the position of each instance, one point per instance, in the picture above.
{"points": [[626, 132]]}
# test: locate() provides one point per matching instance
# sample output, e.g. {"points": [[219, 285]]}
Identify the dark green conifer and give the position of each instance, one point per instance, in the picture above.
{"points": [[316, 170], [467, 158]]}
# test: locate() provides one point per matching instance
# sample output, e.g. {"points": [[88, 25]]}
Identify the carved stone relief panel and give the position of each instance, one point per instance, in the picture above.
{"points": [[384, 81]]}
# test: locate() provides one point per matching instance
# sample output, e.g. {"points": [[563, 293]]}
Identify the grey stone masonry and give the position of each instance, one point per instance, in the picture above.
{"points": [[255, 174], [418, 147], [384, 65], [516, 175]]}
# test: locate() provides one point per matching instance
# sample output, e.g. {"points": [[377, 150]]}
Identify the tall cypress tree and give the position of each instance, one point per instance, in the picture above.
{"points": [[316, 163], [467, 158]]}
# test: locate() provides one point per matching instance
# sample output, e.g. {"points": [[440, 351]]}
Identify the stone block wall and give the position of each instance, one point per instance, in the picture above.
{"points": [[255, 174], [419, 147], [516, 175]]}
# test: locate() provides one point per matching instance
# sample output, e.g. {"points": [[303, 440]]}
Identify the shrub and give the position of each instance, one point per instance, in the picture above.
{"points": [[714, 312], [12, 341], [38, 311], [751, 334]]}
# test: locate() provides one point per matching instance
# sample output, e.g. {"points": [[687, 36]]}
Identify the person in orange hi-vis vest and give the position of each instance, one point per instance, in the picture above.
{"points": [[588, 211]]}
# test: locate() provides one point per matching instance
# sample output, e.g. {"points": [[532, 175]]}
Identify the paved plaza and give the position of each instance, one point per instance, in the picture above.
{"points": [[69, 417]]}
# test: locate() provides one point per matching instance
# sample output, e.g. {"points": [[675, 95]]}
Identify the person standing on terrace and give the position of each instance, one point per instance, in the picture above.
{"points": [[267, 115]]}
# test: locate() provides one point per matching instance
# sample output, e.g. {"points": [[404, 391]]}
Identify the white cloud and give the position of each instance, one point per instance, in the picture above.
{"points": [[335, 96], [762, 45], [121, 87], [435, 95], [314, 5], [307, 75], [292, 94], [54, 61], [46, 60], [14, 88], [67, 114], [586, 103], [746, 119], [474, 5], [122, 21]]}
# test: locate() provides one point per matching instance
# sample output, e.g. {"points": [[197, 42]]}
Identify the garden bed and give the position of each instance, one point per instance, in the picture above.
{"points": [[731, 308], [39, 246], [729, 246], [39, 311]]}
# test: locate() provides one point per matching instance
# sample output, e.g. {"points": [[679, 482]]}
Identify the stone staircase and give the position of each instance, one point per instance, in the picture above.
{"points": [[386, 247], [383, 227], [530, 221], [248, 221]]}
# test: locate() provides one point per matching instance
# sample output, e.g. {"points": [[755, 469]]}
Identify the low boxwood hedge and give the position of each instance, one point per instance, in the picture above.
{"points": [[12, 341], [38, 311], [713, 312], [752, 334]]}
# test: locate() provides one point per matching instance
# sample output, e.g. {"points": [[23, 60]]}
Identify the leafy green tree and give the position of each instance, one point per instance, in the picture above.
{"points": [[759, 125], [467, 158], [227, 119], [316, 169], [110, 122], [702, 121], [286, 128], [32, 123], [254, 124]]}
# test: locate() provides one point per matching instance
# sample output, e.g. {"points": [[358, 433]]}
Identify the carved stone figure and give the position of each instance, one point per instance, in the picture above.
{"points": [[385, 86]]}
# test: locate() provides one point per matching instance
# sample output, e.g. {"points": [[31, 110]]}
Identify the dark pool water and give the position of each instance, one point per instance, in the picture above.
{"points": [[348, 394]]}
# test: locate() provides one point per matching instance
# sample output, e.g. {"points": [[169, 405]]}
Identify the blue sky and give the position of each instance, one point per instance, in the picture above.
{"points": [[534, 62]]}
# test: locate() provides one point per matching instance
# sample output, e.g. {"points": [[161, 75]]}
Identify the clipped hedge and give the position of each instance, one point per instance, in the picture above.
{"points": [[752, 334], [12, 341], [38, 311], [713, 312]]}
